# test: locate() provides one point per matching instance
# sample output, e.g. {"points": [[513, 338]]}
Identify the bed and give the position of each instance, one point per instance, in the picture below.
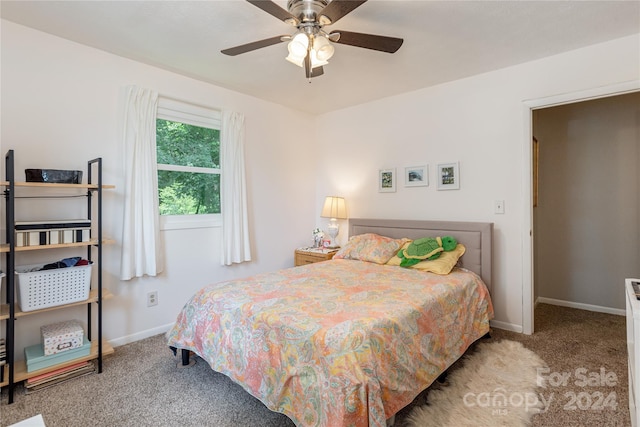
{"points": [[349, 341]]}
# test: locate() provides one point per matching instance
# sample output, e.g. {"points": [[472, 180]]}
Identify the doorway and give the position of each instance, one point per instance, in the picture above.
{"points": [[586, 228], [529, 249]]}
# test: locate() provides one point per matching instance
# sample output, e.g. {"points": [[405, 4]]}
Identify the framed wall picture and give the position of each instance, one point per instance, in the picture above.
{"points": [[387, 180], [448, 176], [416, 176]]}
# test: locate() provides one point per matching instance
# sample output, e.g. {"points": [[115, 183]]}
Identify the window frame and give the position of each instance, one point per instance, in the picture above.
{"points": [[196, 115]]}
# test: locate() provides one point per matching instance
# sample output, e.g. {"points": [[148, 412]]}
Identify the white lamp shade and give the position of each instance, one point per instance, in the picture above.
{"points": [[315, 61], [298, 45], [323, 48], [335, 208], [298, 60]]}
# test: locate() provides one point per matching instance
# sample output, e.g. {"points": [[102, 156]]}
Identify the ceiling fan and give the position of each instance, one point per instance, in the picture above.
{"points": [[311, 46]]}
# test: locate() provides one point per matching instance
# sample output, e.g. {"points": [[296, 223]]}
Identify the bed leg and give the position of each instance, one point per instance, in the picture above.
{"points": [[487, 336], [185, 357], [185, 361]]}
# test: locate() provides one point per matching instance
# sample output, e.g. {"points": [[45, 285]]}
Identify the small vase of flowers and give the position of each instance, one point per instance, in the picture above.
{"points": [[318, 235]]}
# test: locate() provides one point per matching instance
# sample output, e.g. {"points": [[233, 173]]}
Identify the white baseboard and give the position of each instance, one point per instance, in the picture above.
{"points": [[506, 326], [140, 335], [581, 306]]}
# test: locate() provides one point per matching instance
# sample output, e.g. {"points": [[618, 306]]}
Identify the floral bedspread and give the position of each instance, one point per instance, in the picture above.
{"points": [[336, 343]]}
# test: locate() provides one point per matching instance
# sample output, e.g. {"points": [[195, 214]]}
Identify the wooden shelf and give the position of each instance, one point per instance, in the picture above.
{"points": [[21, 374], [57, 185], [93, 297], [4, 247]]}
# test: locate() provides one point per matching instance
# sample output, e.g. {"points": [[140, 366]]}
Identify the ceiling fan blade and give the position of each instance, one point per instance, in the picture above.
{"points": [[237, 50], [336, 10], [274, 10], [368, 41]]}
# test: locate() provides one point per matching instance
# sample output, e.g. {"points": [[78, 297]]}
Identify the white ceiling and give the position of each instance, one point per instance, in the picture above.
{"points": [[443, 41]]}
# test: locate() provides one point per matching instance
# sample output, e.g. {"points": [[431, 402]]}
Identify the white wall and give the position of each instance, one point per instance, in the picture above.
{"points": [[478, 121], [61, 106]]}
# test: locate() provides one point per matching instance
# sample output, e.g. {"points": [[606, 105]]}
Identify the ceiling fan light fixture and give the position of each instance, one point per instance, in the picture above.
{"points": [[297, 60], [310, 47], [323, 48], [298, 45], [315, 60]]}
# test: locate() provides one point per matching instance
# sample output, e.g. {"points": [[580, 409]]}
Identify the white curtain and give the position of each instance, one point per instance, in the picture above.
{"points": [[235, 225], [141, 248]]}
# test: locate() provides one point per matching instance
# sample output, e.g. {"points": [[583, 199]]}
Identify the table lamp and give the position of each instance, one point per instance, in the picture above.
{"points": [[334, 208]]}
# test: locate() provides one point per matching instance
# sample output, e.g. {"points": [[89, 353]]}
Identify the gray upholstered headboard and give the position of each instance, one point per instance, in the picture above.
{"points": [[477, 237]]}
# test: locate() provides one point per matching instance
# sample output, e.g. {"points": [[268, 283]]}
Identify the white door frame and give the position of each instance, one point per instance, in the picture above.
{"points": [[527, 180]]}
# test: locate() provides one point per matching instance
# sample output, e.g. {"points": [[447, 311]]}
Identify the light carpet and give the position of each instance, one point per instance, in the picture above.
{"points": [[141, 387], [497, 385]]}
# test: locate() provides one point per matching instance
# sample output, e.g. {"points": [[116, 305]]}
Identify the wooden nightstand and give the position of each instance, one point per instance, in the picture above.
{"points": [[310, 255]]}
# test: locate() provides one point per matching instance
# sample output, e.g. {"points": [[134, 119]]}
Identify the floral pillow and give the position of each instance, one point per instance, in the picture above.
{"points": [[370, 247], [442, 265]]}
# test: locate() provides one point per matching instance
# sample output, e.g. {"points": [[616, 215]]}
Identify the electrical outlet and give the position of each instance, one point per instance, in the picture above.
{"points": [[152, 298], [499, 207]]}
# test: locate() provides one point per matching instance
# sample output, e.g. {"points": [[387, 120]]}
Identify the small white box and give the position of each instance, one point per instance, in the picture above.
{"points": [[62, 336]]}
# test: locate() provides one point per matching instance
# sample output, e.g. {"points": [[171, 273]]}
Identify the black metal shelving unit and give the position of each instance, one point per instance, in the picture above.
{"points": [[9, 312]]}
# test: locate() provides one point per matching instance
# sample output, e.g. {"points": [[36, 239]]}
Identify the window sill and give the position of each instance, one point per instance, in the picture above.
{"points": [[185, 222]]}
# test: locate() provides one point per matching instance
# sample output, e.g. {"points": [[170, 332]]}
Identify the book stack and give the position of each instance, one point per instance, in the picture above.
{"points": [[3, 357], [59, 375]]}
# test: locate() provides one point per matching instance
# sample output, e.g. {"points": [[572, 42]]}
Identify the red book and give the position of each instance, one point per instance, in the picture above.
{"points": [[56, 372]]}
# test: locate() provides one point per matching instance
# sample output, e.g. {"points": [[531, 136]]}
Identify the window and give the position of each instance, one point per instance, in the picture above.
{"points": [[188, 155]]}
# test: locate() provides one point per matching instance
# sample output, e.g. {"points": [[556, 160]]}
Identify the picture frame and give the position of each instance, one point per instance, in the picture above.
{"points": [[387, 180], [448, 176], [416, 176]]}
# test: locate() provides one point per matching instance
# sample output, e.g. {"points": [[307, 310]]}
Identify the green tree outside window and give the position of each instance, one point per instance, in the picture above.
{"points": [[188, 168]]}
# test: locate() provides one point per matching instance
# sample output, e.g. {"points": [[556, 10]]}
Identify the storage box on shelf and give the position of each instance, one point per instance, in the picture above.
{"points": [[36, 233], [83, 292], [53, 176], [35, 359], [62, 336], [39, 288]]}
